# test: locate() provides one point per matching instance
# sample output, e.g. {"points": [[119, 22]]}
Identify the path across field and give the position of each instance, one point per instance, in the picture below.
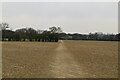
{"points": [[64, 64], [65, 59]]}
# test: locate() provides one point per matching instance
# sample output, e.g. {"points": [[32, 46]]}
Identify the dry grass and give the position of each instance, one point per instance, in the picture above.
{"points": [[27, 59], [97, 59]]}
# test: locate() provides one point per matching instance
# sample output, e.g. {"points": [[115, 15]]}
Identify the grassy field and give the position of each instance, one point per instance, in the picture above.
{"points": [[97, 57], [65, 59]]}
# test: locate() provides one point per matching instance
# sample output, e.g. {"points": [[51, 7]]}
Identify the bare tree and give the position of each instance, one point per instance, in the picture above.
{"points": [[55, 29], [4, 26]]}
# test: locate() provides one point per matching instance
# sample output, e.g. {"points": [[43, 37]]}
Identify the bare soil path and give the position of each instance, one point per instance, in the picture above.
{"points": [[64, 65]]}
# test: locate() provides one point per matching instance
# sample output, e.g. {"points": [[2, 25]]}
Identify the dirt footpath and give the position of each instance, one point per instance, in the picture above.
{"points": [[64, 65]]}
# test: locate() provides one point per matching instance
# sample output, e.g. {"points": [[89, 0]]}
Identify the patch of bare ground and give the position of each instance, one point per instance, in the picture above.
{"points": [[64, 64]]}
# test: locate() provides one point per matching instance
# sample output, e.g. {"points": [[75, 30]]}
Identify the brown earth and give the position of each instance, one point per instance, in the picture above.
{"points": [[65, 59]]}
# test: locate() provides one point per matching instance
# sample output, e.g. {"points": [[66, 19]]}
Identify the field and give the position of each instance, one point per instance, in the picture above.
{"points": [[65, 59]]}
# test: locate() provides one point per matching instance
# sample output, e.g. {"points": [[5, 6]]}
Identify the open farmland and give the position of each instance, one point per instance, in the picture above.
{"points": [[65, 59]]}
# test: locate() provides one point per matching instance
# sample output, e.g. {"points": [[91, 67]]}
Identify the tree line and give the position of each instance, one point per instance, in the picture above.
{"points": [[30, 34], [91, 36], [52, 35]]}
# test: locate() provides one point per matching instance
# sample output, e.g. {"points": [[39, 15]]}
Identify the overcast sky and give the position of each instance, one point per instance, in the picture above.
{"points": [[81, 17]]}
